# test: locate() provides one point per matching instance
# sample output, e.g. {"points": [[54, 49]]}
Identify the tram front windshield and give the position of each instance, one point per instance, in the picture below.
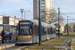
{"points": [[25, 31]]}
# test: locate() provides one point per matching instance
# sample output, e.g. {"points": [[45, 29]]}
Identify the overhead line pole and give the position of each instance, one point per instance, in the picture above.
{"points": [[58, 22], [39, 25], [67, 26]]}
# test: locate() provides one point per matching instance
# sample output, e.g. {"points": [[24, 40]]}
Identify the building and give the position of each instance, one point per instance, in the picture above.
{"points": [[61, 27], [16, 20], [72, 25], [46, 9], [10, 20], [1, 19]]}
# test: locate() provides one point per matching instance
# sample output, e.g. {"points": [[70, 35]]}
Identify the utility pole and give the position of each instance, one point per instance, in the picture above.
{"points": [[67, 26], [24, 13], [58, 22], [39, 25]]}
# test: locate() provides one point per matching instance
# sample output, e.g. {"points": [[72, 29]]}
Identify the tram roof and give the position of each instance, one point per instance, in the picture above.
{"points": [[23, 20], [43, 23], [53, 25]]}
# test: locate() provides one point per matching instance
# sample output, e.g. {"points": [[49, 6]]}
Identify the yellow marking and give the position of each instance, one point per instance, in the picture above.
{"points": [[25, 37], [35, 23], [24, 23]]}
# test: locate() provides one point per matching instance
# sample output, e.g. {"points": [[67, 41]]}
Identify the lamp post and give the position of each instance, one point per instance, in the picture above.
{"points": [[24, 13], [22, 10]]}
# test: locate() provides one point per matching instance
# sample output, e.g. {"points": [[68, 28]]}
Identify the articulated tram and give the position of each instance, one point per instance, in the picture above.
{"points": [[28, 31]]}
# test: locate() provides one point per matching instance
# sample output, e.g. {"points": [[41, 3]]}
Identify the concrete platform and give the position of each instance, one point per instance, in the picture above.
{"points": [[6, 45]]}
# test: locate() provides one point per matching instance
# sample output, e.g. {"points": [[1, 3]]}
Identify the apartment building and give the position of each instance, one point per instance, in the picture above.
{"points": [[16, 20], [46, 9], [11, 20]]}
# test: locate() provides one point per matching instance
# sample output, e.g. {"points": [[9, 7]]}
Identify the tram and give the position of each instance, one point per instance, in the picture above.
{"points": [[28, 31]]}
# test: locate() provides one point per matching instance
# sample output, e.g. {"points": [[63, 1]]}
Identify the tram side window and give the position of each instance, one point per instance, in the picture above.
{"points": [[48, 30], [42, 30], [54, 30], [31, 29], [51, 30], [45, 30], [36, 30]]}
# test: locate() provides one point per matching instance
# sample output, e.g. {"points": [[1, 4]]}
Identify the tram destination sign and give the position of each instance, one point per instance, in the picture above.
{"points": [[24, 23]]}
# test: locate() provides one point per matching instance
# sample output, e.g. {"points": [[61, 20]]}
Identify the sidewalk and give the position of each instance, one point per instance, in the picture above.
{"points": [[6, 45]]}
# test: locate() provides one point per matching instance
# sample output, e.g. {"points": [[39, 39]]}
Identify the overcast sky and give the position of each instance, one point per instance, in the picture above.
{"points": [[12, 7]]}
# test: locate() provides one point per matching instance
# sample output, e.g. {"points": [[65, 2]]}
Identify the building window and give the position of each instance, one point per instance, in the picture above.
{"points": [[16, 21], [42, 0], [11, 21], [0, 19]]}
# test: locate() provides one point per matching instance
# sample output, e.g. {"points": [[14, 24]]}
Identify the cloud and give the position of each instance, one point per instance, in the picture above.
{"points": [[12, 7]]}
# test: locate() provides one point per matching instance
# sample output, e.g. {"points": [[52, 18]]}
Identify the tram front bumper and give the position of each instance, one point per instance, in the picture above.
{"points": [[24, 41]]}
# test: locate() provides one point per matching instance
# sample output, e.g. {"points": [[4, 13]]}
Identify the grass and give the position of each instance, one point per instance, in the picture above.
{"points": [[46, 43], [56, 45], [73, 45]]}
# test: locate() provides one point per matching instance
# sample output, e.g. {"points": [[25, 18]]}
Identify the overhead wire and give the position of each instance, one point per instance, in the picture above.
{"points": [[29, 2], [56, 3]]}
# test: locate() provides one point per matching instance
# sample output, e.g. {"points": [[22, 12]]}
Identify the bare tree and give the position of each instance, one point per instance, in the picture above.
{"points": [[51, 17]]}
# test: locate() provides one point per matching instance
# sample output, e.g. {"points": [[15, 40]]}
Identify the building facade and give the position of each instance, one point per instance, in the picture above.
{"points": [[16, 20], [72, 25], [11, 20], [45, 9], [1, 19]]}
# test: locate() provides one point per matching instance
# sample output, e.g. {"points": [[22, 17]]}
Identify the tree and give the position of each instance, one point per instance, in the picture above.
{"points": [[69, 28], [51, 16]]}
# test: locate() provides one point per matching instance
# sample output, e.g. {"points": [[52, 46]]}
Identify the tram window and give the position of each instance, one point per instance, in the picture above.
{"points": [[36, 29], [30, 32], [54, 30], [25, 31], [48, 30], [42, 30], [45, 30], [51, 30]]}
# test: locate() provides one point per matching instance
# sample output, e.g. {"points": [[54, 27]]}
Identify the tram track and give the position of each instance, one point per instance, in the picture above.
{"points": [[49, 46], [64, 45], [53, 43]]}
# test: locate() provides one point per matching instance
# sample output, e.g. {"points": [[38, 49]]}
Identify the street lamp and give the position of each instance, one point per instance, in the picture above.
{"points": [[22, 10], [24, 13]]}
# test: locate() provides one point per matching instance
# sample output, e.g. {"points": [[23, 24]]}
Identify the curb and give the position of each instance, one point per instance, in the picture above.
{"points": [[6, 46]]}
